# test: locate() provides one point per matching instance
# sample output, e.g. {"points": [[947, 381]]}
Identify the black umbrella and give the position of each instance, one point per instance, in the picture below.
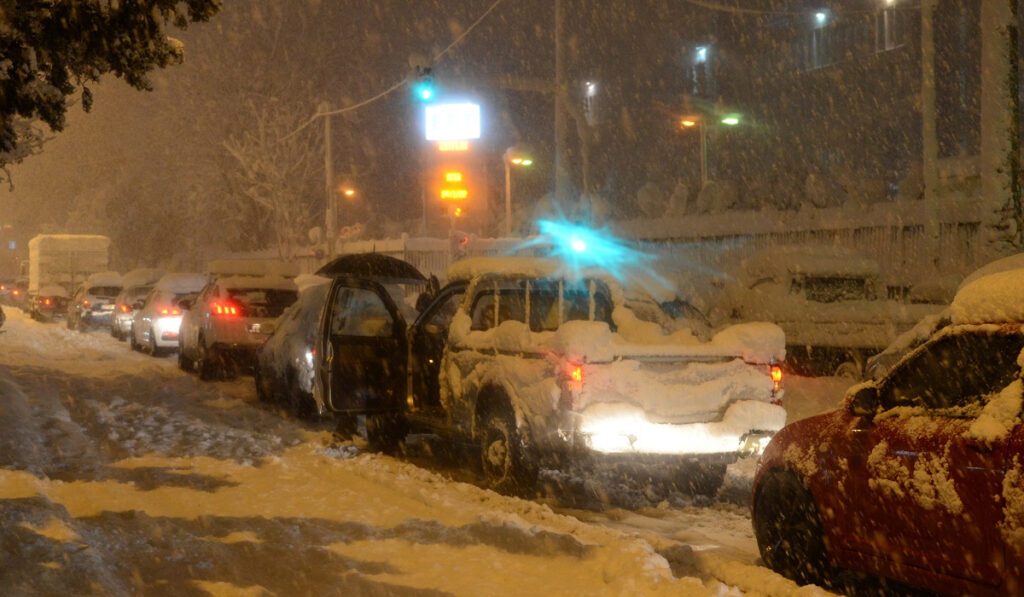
{"points": [[371, 265]]}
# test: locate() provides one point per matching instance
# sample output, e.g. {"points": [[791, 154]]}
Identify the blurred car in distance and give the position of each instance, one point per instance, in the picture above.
{"points": [[223, 326], [6, 286], [50, 304], [92, 304], [284, 362], [18, 295], [156, 319], [919, 477], [124, 305]]}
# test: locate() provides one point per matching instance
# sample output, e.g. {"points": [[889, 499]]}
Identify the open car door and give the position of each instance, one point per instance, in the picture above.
{"points": [[361, 349]]}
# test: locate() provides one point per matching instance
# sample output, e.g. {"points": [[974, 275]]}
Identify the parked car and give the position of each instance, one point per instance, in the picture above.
{"points": [[830, 301], [539, 367], [18, 295], [124, 306], [919, 477], [51, 303], [92, 305], [223, 326], [156, 320], [6, 285], [284, 363]]}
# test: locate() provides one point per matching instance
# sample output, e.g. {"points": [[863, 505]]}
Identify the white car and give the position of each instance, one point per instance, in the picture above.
{"points": [[224, 324], [157, 319]]}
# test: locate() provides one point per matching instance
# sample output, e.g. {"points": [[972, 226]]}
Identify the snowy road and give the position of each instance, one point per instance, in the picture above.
{"points": [[122, 475]]}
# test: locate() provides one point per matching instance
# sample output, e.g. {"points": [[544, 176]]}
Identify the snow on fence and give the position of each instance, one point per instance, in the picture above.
{"points": [[894, 234]]}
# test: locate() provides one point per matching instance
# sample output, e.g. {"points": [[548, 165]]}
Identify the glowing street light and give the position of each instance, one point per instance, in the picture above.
{"points": [[513, 157], [731, 119]]}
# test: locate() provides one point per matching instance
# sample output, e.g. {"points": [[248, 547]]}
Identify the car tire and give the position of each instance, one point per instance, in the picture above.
{"points": [[300, 404], [184, 363], [788, 529], [506, 467], [132, 343], [151, 347], [385, 432], [206, 362], [261, 391]]}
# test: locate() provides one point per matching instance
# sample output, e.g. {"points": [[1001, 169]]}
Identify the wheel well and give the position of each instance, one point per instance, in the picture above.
{"points": [[491, 399]]}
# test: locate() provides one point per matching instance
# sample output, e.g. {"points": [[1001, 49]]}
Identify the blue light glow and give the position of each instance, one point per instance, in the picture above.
{"points": [[580, 248]]}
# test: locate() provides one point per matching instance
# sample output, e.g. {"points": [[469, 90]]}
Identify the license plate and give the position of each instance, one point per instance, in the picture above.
{"points": [[107, 307], [255, 328]]}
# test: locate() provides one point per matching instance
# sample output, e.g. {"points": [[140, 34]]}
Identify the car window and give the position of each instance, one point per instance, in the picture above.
{"points": [[543, 305], [482, 311], [512, 301], [360, 312], [262, 302], [105, 291], [439, 315], [954, 371], [579, 298]]}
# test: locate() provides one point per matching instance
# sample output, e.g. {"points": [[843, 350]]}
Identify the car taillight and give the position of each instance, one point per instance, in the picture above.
{"points": [[572, 375], [125, 308], [224, 309], [16, 292], [776, 373], [170, 311], [85, 303], [46, 301]]}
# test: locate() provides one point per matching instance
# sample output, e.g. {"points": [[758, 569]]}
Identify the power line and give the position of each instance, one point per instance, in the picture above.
{"points": [[708, 4], [398, 84]]}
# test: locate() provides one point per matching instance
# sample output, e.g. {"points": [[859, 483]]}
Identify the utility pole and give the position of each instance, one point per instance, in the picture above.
{"points": [[331, 218], [929, 135], [561, 166]]}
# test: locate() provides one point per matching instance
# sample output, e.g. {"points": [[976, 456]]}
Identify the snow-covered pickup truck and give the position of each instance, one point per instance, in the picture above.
{"points": [[534, 364]]}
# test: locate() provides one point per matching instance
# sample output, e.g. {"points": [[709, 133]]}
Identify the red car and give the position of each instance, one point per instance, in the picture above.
{"points": [[919, 478]]}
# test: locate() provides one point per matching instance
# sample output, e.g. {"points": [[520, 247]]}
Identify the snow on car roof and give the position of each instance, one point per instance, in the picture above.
{"points": [[260, 282], [993, 267], [991, 299], [252, 267], [809, 260], [141, 276], [104, 279], [53, 290], [473, 267], [182, 282], [306, 281]]}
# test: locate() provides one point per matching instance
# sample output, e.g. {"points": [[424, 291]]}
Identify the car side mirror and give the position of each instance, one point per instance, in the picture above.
{"points": [[864, 402]]}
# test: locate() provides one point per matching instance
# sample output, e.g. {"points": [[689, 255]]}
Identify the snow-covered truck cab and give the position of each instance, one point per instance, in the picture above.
{"points": [[543, 364]]}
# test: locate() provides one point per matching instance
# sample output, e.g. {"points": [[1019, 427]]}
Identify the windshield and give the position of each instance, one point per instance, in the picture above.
{"points": [[262, 302]]}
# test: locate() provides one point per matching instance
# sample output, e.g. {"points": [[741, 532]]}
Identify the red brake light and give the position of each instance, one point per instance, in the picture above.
{"points": [[46, 301], [576, 374], [16, 292], [85, 302], [125, 308], [170, 311], [776, 373], [224, 309]]}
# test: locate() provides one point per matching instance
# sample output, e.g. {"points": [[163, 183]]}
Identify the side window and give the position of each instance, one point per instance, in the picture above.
{"points": [[436, 321], [482, 312], [511, 301], [360, 312], [955, 371], [543, 305], [577, 299]]}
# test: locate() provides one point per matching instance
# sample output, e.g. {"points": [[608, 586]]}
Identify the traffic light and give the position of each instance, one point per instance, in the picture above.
{"points": [[424, 88]]}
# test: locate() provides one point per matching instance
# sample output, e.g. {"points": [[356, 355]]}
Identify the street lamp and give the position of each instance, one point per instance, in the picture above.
{"points": [[513, 156], [698, 122]]}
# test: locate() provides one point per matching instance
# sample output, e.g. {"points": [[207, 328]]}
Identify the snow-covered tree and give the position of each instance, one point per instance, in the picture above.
{"points": [[50, 49]]}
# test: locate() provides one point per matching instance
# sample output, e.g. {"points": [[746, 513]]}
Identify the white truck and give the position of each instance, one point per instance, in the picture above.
{"points": [[541, 367], [65, 259]]}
